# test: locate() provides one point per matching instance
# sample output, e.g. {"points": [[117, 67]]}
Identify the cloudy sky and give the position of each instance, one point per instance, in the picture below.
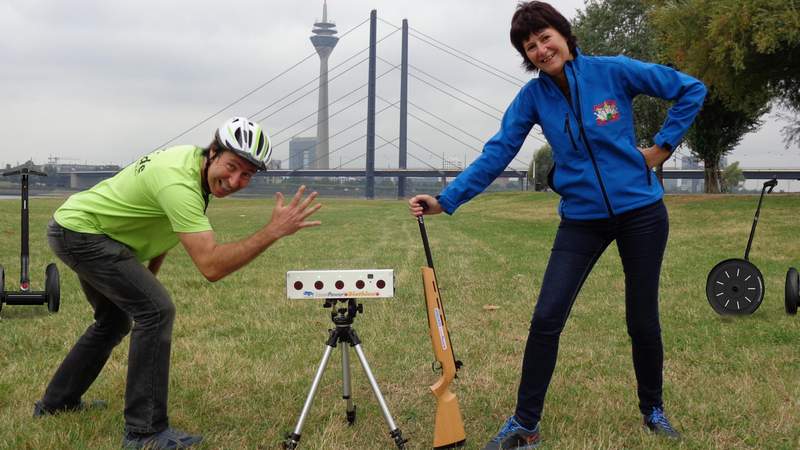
{"points": [[105, 81]]}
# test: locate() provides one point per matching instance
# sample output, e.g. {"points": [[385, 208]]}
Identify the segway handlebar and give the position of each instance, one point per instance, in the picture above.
{"points": [[770, 184], [24, 278], [767, 184]]}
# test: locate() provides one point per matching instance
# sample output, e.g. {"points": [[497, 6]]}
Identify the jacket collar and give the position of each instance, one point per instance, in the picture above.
{"points": [[575, 65]]}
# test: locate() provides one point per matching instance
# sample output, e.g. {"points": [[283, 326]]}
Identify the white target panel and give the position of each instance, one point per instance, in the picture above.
{"points": [[322, 284]]}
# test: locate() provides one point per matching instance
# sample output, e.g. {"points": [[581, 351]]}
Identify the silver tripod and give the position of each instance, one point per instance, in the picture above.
{"points": [[344, 334]]}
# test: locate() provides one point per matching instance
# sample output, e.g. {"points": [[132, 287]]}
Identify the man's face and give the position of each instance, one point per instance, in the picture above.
{"points": [[228, 174]]}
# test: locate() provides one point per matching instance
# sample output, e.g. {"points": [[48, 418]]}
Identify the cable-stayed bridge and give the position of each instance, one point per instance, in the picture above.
{"points": [[350, 117], [380, 108]]}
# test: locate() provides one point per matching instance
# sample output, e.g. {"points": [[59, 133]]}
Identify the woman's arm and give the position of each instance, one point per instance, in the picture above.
{"points": [[519, 118], [665, 82]]}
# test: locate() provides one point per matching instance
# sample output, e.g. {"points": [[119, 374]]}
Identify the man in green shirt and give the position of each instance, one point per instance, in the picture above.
{"points": [[105, 235]]}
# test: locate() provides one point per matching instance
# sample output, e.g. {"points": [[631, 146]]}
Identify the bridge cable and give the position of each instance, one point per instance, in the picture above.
{"points": [[316, 79], [318, 110], [450, 135], [517, 82], [340, 132], [252, 91]]}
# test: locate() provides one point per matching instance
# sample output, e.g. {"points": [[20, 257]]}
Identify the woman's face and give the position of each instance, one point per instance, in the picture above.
{"points": [[548, 51]]}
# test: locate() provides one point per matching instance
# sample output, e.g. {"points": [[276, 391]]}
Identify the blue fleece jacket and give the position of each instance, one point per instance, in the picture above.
{"points": [[598, 170]]}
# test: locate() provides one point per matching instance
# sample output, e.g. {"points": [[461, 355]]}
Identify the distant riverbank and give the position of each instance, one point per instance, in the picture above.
{"points": [[6, 195]]}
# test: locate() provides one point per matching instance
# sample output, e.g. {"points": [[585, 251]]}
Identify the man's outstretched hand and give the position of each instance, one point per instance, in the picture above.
{"points": [[287, 219]]}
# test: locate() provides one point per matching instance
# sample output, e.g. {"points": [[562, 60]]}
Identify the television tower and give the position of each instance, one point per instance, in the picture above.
{"points": [[324, 41]]}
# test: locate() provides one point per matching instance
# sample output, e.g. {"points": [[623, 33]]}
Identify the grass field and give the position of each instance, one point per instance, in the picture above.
{"points": [[244, 356]]}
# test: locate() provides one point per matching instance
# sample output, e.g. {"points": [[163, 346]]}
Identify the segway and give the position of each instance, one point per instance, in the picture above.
{"points": [[25, 296], [735, 286], [792, 291]]}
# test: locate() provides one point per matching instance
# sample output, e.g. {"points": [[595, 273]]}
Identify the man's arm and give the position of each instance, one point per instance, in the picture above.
{"points": [[156, 262], [216, 261]]}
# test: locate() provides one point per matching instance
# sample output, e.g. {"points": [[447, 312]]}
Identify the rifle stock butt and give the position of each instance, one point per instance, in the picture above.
{"points": [[448, 431]]}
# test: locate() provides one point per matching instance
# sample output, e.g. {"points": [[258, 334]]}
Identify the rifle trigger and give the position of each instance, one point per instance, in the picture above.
{"points": [[458, 364]]}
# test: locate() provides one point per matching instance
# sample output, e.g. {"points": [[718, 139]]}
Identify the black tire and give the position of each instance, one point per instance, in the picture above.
{"points": [[792, 291], [52, 287], [735, 287]]}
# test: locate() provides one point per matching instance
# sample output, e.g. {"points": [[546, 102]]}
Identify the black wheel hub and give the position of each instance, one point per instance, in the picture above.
{"points": [[735, 286]]}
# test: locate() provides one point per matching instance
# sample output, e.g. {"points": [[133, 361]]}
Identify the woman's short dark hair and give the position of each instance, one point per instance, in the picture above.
{"points": [[533, 17]]}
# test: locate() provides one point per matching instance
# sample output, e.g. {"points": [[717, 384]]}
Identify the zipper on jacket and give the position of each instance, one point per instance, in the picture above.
{"points": [[586, 141], [568, 130]]}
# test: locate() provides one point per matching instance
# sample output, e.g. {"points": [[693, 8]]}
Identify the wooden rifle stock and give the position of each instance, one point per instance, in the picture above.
{"points": [[448, 429]]}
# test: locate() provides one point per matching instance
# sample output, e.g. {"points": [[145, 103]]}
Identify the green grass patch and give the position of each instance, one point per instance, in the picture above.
{"points": [[244, 356]]}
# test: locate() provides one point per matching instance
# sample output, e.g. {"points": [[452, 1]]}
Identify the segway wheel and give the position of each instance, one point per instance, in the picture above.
{"points": [[735, 287], [792, 293], [52, 286]]}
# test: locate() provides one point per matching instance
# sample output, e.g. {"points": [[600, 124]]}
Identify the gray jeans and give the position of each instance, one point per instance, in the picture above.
{"points": [[121, 290]]}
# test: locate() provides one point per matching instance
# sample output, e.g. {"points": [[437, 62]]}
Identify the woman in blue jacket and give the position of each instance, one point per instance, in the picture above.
{"points": [[608, 193]]}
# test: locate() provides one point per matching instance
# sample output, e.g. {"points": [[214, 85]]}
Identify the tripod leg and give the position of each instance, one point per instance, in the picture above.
{"points": [[293, 439], [394, 432], [346, 389]]}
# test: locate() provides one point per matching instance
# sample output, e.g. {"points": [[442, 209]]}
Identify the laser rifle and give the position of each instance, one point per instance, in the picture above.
{"points": [[448, 429]]}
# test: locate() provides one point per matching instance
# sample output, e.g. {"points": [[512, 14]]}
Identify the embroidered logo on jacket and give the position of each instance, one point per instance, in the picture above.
{"points": [[606, 112]]}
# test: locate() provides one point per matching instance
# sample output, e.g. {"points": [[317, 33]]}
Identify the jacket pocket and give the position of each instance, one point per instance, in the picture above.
{"points": [[647, 169], [551, 174]]}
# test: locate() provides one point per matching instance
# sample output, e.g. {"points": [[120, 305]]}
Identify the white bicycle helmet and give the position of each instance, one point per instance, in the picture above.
{"points": [[247, 139]]}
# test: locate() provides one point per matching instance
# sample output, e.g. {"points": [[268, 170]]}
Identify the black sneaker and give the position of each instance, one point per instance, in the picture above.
{"points": [[163, 440], [657, 423], [39, 410], [514, 436]]}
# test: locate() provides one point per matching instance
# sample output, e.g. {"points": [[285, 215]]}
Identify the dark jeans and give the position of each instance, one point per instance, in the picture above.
{"points": [[641, 237], [120, 290]]}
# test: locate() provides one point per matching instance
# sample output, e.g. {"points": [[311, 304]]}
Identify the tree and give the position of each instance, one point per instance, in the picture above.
{"points": [[791, 102], [791, 132], [531, 175], [746, 52], [732, 177], [746, 49], [612, 27], [540, 167], [715, 132]]}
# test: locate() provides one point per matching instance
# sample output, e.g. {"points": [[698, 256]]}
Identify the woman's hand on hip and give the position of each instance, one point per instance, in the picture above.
{"points": [[655, 155]]}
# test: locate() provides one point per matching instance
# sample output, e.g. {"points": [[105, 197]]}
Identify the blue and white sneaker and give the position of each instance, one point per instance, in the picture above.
{"points": [[657, 423], [514, 436], [168, 439]]}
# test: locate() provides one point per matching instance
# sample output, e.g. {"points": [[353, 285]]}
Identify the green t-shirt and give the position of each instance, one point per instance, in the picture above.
{"points": [[145, 204]]}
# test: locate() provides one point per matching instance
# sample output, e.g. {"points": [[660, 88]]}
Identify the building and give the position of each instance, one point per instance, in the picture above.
{"points": [[324, 40], [302, 153]]}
